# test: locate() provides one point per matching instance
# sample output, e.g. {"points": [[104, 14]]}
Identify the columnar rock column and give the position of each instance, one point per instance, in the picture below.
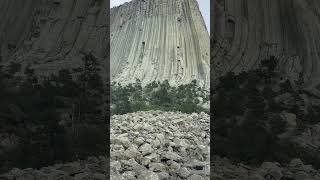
{"points": [[53, 34], [247, 31], [155, 40]]}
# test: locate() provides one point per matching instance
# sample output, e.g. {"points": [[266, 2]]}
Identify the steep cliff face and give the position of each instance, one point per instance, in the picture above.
{"points": [[150, 39], [154, 40], [247, 31], [51, 34]]}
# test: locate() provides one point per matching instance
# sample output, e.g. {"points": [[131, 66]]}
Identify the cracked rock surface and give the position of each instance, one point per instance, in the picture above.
{"points": [[160, 145]]}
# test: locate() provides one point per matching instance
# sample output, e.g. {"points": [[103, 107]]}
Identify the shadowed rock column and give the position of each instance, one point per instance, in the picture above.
{"points": [[247, 31], [53, 34]]}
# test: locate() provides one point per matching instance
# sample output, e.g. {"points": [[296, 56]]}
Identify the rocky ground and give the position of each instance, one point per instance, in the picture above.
{"points": [[151, 145], [160, 145], [224, 169], [94, 168]]}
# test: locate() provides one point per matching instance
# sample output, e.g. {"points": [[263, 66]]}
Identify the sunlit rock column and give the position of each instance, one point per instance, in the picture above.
{"points": [[155, 40]]}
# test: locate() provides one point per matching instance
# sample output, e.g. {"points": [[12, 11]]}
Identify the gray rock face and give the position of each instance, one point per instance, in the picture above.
{"points": [[150, 39], [154, 40], [49, 35], [247, 31]]}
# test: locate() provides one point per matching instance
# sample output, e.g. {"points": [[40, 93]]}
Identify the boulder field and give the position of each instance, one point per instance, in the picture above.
{"points": [[158, 145], [144, 145]]}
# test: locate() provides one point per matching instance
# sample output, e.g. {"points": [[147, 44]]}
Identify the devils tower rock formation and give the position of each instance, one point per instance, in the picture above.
{"points": [[50, 34], [154, 40], [272, 50], [247, 31]]}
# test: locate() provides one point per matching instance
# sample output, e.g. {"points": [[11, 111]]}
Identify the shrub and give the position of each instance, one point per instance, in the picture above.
{"points": [[157, 96], [45, 137]]}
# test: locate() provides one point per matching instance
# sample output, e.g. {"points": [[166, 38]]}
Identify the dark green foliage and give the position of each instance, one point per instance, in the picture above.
{"points": [[243, 122], [13, 68], [253, 141], [91, 141], [270, 63], [57, 119], [157, 96], [247, 114]]}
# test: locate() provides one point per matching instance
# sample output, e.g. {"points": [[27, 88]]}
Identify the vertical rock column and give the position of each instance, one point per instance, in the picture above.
{"points": [[155, 40], [53, 34], [247, 31]]}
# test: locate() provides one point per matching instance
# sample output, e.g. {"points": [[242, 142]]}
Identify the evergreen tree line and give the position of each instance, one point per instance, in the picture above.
{"points": [[56, 119], [187, 98], [247, 111]]}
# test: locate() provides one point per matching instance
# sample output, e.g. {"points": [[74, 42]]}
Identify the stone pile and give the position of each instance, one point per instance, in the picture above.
{"points": [[94, 168], [151, 145], [224, 169], [160, 145]]}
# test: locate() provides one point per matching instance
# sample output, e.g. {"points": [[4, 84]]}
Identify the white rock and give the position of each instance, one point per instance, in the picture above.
{"points": [[174, 165], [157, 167], [129, 175], [146, 149], [195, 177], [163, 175], [156, 143], [139, 140], [145, 161], [184, 172], [194, 116], [116, 165], [160, 137], [172, 156], [132, 152], [148, 175], [123, 140]]}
